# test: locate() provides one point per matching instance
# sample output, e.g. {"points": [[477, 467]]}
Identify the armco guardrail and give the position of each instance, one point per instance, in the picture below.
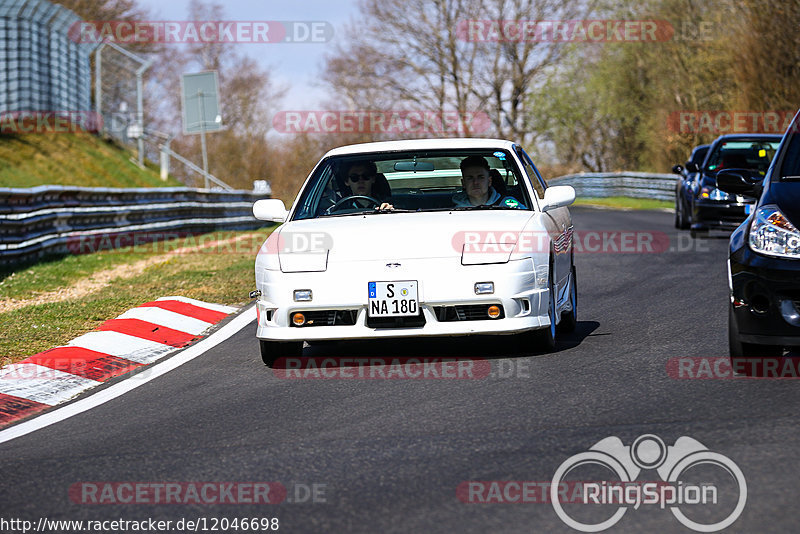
{"points": [[624, 184], [61, 219]]}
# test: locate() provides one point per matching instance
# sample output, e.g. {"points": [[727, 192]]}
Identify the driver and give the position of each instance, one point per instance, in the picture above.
{"points": [[360, 180]]}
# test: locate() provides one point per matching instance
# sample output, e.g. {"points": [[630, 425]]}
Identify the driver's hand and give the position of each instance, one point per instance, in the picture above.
{"points": [[385, 206]]}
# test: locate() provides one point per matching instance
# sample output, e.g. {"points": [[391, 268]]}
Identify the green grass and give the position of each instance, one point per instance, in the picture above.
{"points": [[221, 275], [625, 203], [72, 159]]}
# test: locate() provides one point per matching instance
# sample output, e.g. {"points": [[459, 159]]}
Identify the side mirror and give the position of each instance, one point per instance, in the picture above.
{"points": [[692, 167], [739, 182], [677, 169], [557, 196], [270, 209]]}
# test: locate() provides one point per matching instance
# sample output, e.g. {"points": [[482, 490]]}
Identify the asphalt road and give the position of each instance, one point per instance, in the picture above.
{"points": [[389, 455]]}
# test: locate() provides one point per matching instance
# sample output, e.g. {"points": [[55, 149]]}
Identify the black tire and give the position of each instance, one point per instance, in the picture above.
{"points": [[677, 216], [739, 351], [681, 218], [569, 320], [272, 350]]}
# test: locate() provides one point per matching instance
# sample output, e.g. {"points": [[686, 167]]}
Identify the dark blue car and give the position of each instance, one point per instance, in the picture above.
{"points": [[713, 209], [686, 186], [764, 261]]}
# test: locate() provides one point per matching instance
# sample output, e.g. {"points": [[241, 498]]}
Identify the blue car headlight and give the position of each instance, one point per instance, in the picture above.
{"points": [[712, 193], [772, 234]]}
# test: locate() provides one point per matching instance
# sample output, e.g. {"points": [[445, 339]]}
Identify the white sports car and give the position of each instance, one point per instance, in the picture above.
{"points": [[417, 238]]}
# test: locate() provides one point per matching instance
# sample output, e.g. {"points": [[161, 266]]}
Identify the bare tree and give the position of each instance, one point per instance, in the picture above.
{"points": [[425, 55]]}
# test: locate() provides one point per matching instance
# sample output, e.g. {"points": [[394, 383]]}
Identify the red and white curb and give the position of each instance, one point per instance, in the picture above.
{"points": [[138, 337]]}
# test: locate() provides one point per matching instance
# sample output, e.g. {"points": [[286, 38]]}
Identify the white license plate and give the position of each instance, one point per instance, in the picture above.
{"points": [[392, 299]]}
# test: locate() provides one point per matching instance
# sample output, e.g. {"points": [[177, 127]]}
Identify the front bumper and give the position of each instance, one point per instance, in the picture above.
{"points": [[765, 294], [716, 215], [518, 290]]}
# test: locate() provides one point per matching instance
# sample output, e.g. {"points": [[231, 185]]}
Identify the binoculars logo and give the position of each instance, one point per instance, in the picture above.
{"points": [[649, 452]]}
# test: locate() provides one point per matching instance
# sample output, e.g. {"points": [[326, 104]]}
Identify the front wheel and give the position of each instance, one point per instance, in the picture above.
{"points": [[681, 218], [569, 320], [272, 350]]}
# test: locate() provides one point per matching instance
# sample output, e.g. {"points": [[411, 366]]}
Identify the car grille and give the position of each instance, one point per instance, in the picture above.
{"points": [[473, 312], [396, 322], [327, 318]]}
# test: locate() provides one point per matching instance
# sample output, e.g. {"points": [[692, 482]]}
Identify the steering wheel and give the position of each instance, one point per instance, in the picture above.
{"points": [[353, 197]]}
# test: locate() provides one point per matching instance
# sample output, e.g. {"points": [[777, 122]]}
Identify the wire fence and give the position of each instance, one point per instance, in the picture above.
{"points": [[41, 68]]}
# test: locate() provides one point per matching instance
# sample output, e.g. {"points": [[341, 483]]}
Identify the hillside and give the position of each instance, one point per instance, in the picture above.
{"points": [[71, 159]]}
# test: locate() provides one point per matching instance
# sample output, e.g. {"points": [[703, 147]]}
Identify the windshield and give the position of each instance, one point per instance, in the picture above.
{"points": [[699, 154], [431, 180], [791, 159], [743, 154]]}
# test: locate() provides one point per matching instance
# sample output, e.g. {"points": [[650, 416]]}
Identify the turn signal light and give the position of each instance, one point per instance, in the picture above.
{"points": [[493, 312], [298, 319]]}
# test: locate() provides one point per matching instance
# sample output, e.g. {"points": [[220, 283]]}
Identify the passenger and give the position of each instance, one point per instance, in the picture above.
{"points": [[478, 191]]}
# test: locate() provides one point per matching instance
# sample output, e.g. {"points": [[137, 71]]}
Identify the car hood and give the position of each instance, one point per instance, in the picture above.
{"points": [[786, 195], [310, 245]]}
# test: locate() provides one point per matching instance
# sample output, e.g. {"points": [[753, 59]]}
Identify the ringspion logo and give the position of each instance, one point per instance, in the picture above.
{"points": [[674, 465]]}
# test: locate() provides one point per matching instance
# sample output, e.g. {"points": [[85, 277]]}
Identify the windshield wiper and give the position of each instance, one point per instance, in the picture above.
{"points": [[395, 210], [482, 207]]}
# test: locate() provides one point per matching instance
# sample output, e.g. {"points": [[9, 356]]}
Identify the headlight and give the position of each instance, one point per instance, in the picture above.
{"points": [[712, 193], [772, 234]]}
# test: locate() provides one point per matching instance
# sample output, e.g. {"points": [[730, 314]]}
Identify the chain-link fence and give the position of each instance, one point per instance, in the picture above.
{"points": [[41, 68]]}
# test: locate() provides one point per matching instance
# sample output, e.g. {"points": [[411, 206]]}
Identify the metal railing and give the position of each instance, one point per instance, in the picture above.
{"points": [[622, 184], [57, 220]]}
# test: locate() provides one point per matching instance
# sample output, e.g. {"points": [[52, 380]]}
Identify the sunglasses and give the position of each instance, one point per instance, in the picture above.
{"points": [[355, 178]]}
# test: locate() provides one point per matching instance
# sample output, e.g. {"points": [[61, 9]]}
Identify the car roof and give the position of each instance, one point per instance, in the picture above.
{"points": [[745, 137], [420, 144]]}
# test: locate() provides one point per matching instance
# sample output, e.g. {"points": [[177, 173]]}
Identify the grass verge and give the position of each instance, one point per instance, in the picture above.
{"points": [[83, 159], [625, 203], [220, 273]]}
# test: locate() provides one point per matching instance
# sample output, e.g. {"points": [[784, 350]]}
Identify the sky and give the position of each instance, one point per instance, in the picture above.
{"points": [[295, 66]]}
